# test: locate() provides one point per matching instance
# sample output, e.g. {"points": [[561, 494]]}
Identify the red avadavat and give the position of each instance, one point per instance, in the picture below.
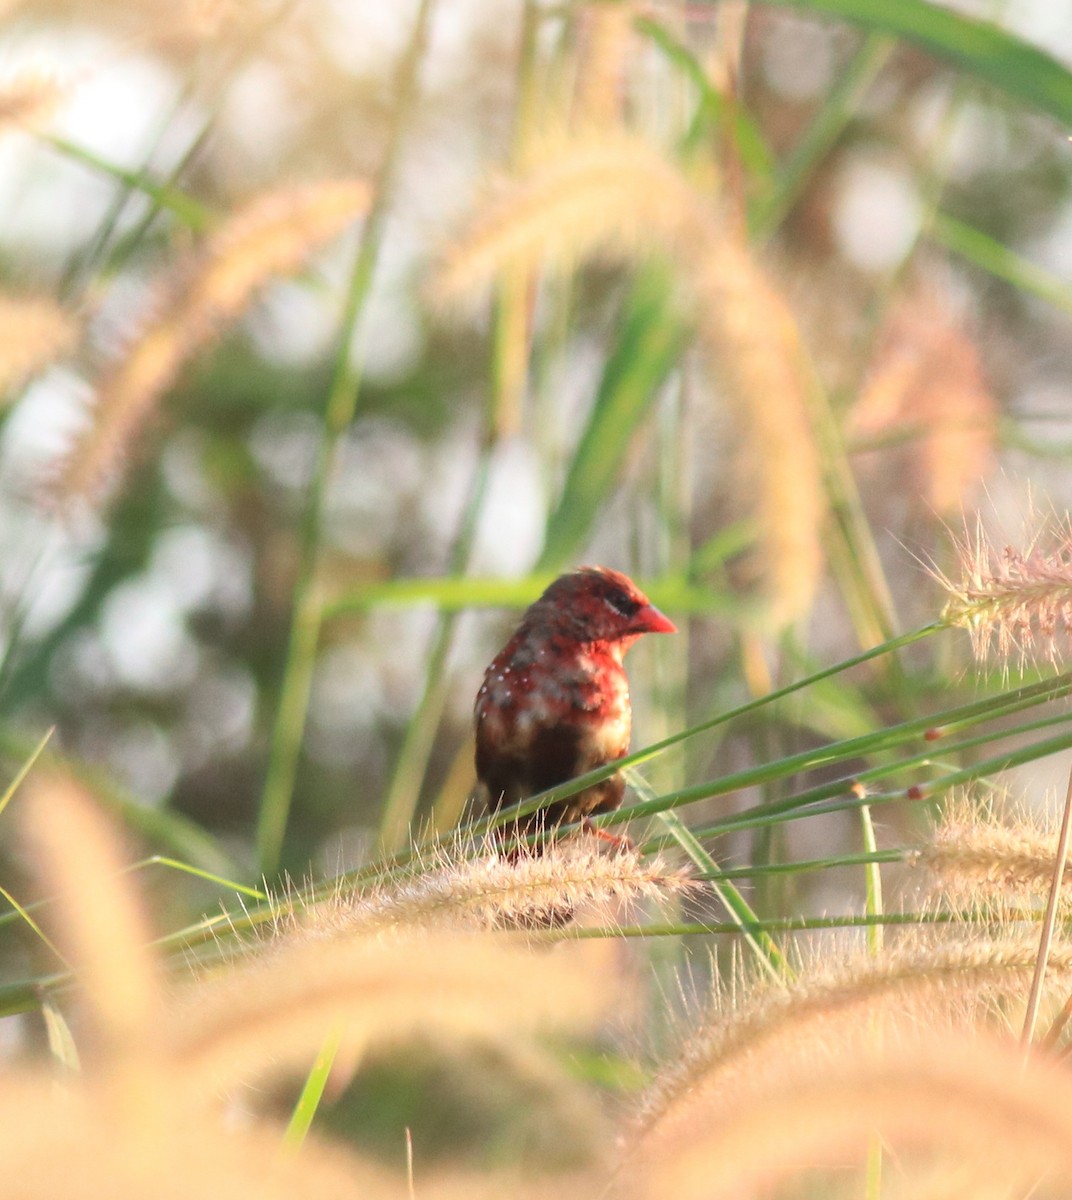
{"points": [[555, 701]]}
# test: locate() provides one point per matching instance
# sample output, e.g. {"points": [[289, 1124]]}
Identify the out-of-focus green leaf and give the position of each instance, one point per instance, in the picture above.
{"points": [[990, 254], [647, 349], [712, 108], [978, 47], [677, 596]]}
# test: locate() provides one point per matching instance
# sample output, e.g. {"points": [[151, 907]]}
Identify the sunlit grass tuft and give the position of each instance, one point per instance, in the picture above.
{"points": [[1016, 602], [446, 887], [977, 855]]}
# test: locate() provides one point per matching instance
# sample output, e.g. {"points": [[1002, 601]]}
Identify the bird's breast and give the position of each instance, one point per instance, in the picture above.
{"points": [[528, 690]]}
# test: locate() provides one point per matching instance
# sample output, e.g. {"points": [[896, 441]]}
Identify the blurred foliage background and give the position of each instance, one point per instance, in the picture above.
{"points": [[258, 632]]}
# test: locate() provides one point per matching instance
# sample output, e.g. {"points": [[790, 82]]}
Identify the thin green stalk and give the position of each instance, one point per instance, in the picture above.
{"points": [[301, 1119], [25, 769], [341, 405], [767, 951], [25, 995], [772, 925], [190, 211], [155, 860], [503, 401], [23, 913], [796, 807], [822, 756], [837, 111], [412, 763], [802, 866], [993, 256]]}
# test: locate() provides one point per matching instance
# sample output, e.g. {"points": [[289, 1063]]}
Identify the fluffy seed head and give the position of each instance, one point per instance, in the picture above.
{"points": [[1017, 601]]}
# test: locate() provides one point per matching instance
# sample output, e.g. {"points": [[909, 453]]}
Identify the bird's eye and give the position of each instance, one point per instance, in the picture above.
{"points": [[622, 604]]}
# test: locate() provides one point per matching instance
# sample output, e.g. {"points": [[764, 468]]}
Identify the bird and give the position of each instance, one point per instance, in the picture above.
{"points": [[554, 702]]}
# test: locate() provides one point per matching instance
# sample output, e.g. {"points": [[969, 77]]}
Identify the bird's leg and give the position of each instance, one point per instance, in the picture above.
{"points": [[620, 841]]}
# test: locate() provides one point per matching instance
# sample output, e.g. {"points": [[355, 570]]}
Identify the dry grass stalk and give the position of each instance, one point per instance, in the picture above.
{"points": [[273, 235], [760, 358], [446, 890], [917, 985], [99, 921], [34, 331], [270, 1013], [1018, 602], [927, 384], [964, 1095], [615, 195], [606, 47]]}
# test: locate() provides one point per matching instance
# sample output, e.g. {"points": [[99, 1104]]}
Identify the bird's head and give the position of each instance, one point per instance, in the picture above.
{"points": [[596, 604]]}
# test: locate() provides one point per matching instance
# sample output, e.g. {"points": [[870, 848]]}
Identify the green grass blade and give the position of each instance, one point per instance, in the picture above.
{"points": [[24, 914], [301, 1119], [766, 949], [774, 925], [712, 109], [456, 593], [183, 868], [25, 769], [989, 254], [822, 134], [189, 211], [646, 350]]}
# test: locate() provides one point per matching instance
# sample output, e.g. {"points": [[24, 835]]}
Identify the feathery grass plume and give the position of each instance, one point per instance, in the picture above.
{"points": [[1016, 601], [975, 855], [614, 194], [98, 918], [443, 889], [273, 235], [63, 1143], [572, 196], [269, 1013], [753, 338], [847, 1005], [106, 939], [927, 384], [34, 331], [973, 1097]]}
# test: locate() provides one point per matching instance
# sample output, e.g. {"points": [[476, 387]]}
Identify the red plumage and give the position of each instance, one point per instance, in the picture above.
{"points": [[555, 700]]}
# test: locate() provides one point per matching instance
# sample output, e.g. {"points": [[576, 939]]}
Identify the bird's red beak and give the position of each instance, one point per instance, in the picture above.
{"points": [[649, 620]]}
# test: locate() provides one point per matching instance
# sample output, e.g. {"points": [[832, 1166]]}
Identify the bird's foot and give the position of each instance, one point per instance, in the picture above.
{"points": [[620, 841]]}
